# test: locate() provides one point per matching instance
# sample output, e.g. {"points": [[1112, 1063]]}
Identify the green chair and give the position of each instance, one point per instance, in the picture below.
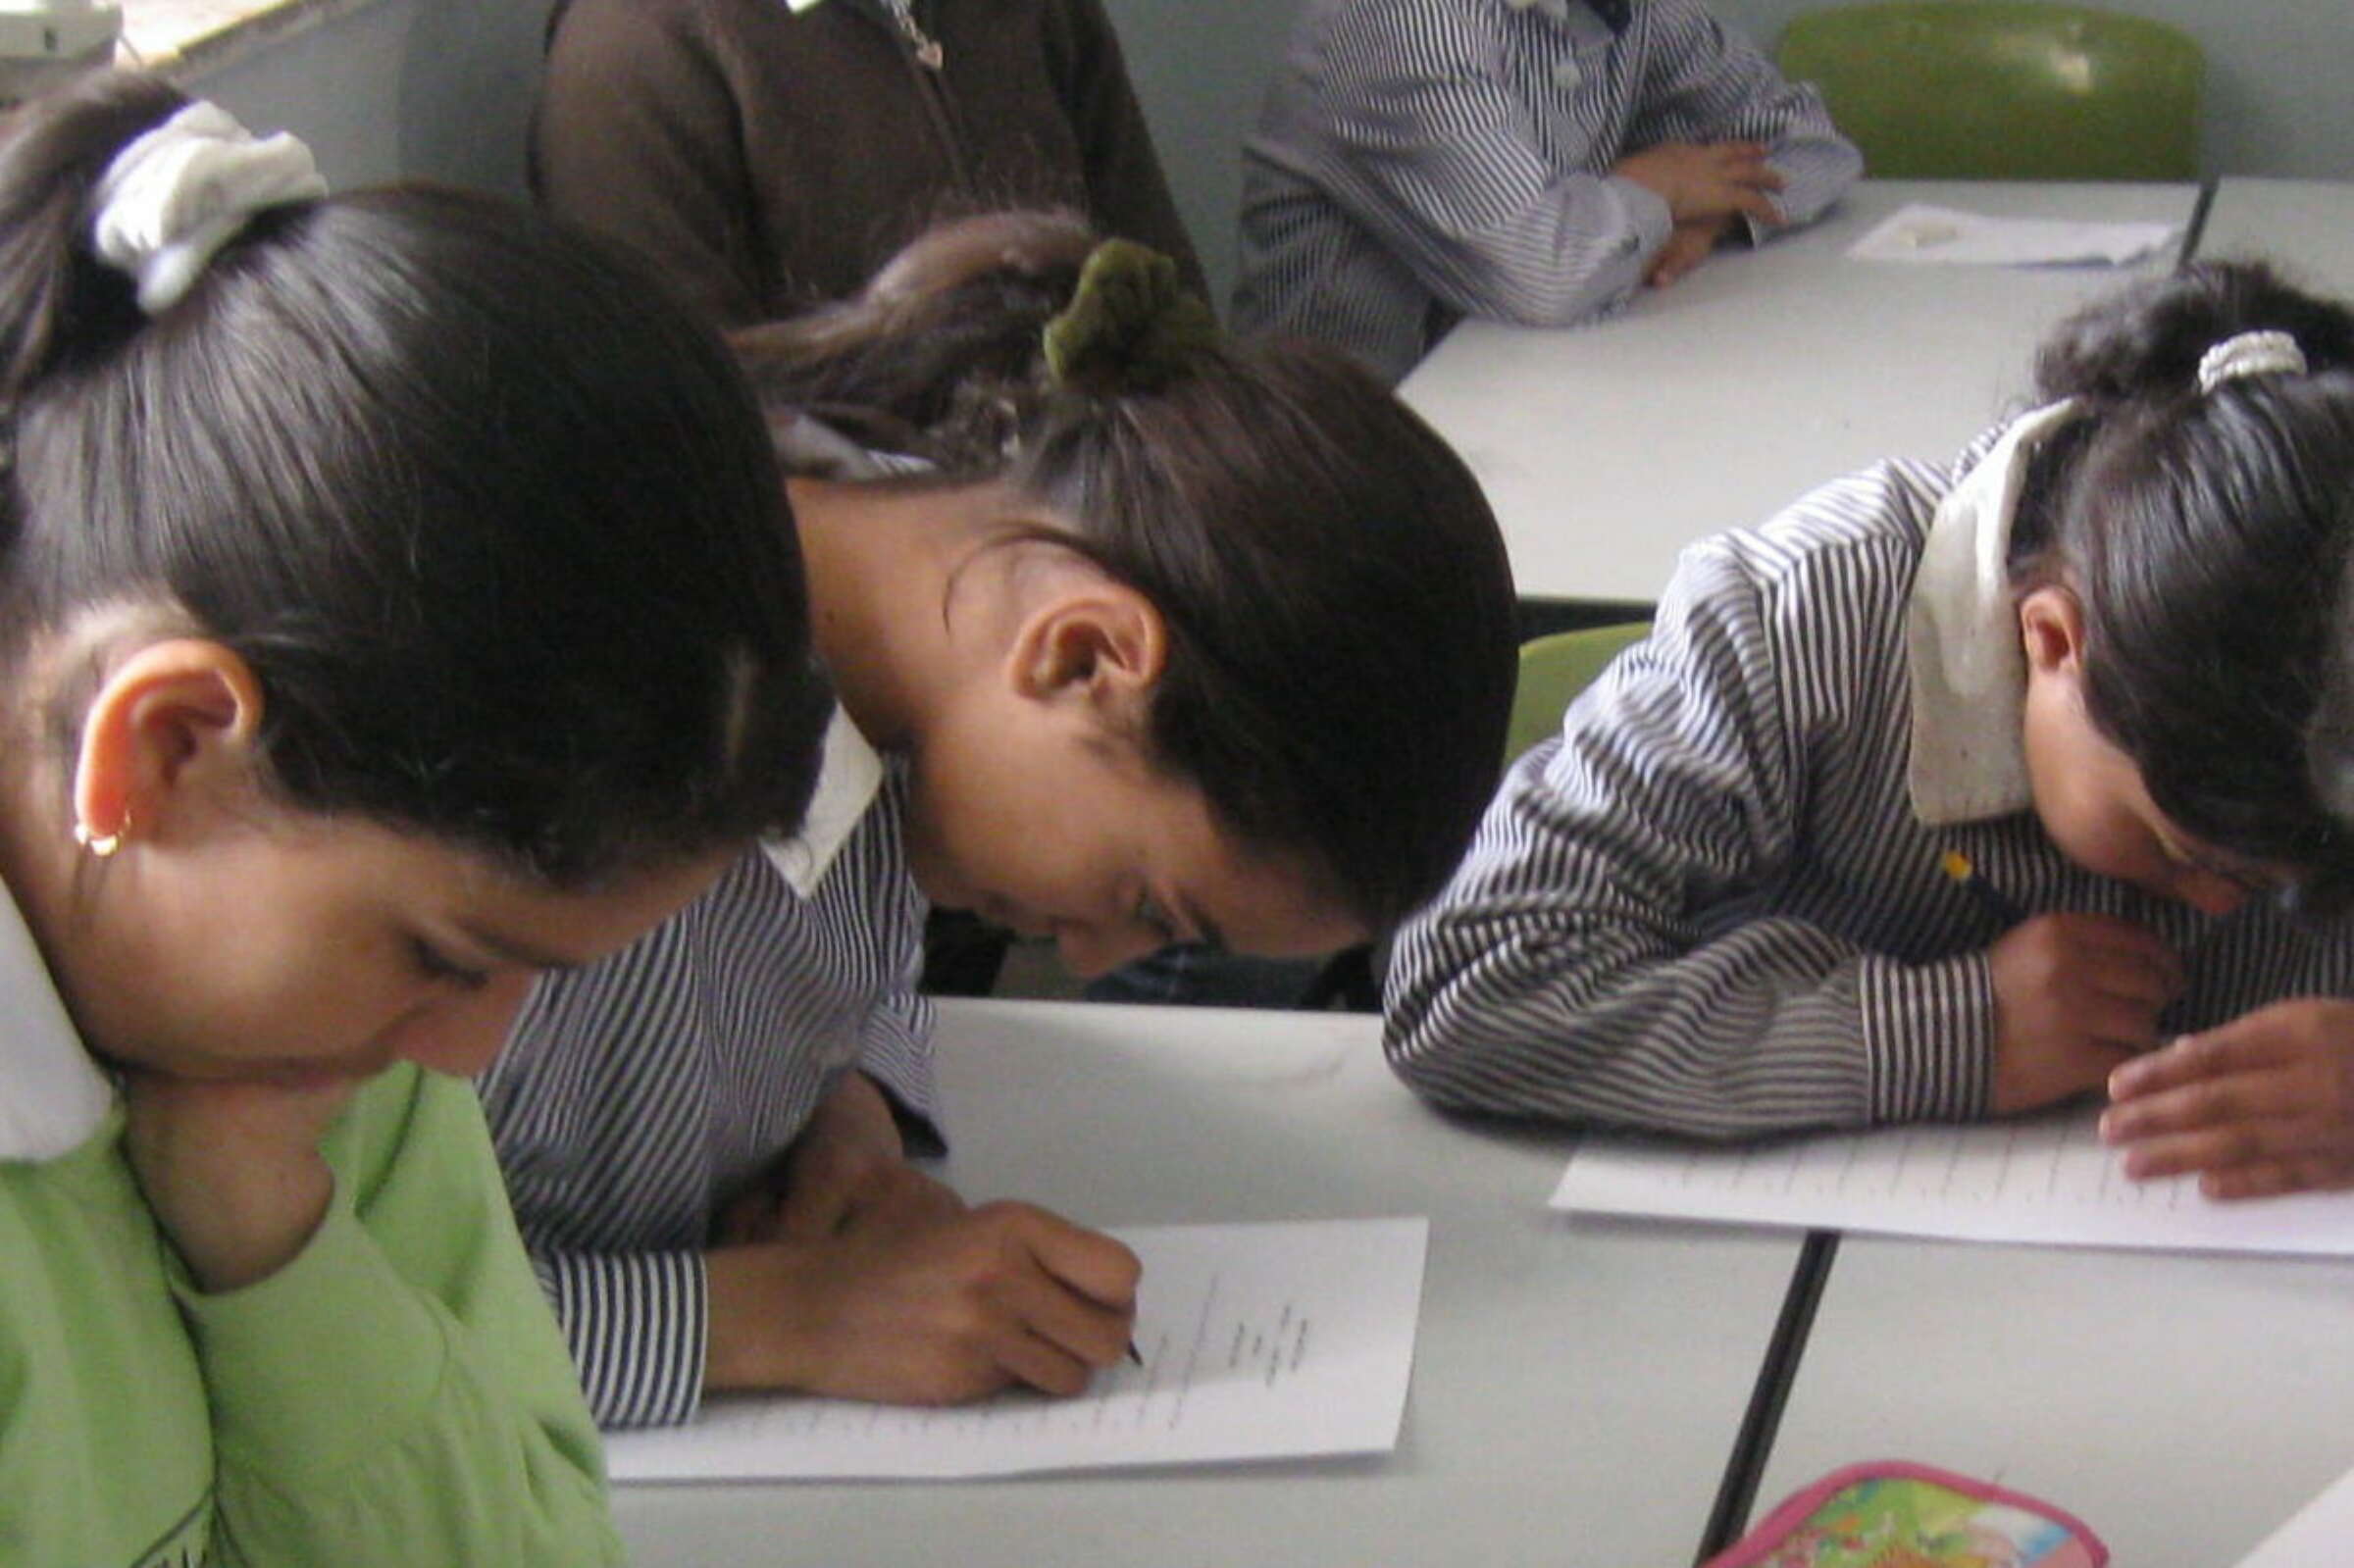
{"points": [[1553, 670], [2003, 89]]}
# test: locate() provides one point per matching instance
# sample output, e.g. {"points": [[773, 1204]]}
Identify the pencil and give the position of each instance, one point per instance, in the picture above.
{"points": [[1992, 899], [1134, 1355]]}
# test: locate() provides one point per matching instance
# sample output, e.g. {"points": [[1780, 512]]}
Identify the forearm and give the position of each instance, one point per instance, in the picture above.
{"points": [[357, 1422]]}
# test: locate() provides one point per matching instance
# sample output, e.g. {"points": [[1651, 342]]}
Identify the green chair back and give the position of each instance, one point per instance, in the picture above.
{"points": [[2003, 89], [1553, 670]]}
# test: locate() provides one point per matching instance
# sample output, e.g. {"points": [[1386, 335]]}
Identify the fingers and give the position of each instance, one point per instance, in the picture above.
{"points": [[1071, 1291], [2262, 1106]]}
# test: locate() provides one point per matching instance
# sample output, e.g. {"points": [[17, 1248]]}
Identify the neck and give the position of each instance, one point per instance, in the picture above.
{"points": [[881, 562]]}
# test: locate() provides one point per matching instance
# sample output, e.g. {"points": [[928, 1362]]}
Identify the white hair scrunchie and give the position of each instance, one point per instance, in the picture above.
{"points": [[179, 194], [2267, 353]]}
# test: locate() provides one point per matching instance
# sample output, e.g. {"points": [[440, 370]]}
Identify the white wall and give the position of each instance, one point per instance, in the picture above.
{"points": [[441, 87]]}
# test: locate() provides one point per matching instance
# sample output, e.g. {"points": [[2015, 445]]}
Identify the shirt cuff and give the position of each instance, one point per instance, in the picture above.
{"points": [[1928, 1038], [1648, 220], [639, 1325]]}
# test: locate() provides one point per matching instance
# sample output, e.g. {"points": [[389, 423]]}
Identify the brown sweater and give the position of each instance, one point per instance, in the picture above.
{"points": [[767, 160]]}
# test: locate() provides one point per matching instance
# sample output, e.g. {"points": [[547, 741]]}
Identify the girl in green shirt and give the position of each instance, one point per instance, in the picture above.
{"points": [[395, 601]]}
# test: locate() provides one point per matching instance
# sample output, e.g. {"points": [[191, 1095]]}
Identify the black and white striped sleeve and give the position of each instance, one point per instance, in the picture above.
{"points": [[1430, 148], [1615, 950], [1707, 85], [637, 1324]]}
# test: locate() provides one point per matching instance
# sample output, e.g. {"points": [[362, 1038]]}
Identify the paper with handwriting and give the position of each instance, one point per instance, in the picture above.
{"points": [[1258, 1341], [2046, 1180]]}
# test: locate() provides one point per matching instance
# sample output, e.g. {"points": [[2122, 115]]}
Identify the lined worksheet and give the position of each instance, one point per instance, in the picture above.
{"points": [[1257, 1342], [2043, 1179]]}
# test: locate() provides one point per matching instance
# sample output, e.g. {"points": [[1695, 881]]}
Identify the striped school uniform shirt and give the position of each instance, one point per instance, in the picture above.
{"points": [[1714, 905], [1420, 161], [633, 1097]]}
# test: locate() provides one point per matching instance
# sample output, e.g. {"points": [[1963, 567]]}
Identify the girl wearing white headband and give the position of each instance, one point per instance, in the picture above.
{"points": [[394, 600], [1957, 792]]}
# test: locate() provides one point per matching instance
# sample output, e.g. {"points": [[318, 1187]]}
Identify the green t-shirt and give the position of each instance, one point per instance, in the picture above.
{"points": [[396, 1393]]}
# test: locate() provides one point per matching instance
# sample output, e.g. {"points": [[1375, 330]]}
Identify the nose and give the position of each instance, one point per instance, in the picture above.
{"points": [[459, 1035], [1088, 953]]}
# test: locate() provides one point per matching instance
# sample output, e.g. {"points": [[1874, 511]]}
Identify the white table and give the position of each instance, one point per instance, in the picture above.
{"points": [[1576, 1389], [2181, 1406], [1607, 448], [2305, 224]]}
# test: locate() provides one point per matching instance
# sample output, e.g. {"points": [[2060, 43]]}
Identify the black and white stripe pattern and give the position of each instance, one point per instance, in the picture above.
{"points": [[1420, 161], [635, 1095], [1709, 908]]}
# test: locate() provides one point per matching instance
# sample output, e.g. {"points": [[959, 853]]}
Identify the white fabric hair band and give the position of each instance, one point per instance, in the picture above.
{"points": [[174, 196], [2264, 353]]}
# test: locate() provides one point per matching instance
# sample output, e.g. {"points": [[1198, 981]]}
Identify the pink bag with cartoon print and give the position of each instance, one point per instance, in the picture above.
{"points": [[1890, 1514]]}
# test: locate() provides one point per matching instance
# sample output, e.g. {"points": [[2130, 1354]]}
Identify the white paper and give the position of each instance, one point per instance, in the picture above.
{"points": [[2048, 1180], [2317, 1537], [1258, 1340], [1948, 235]]}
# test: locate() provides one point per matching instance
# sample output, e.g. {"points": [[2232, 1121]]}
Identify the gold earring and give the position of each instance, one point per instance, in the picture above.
{"points": [[101, 844]]}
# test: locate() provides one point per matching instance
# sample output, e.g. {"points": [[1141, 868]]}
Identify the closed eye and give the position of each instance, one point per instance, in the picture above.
{"points": [[442, 970]]}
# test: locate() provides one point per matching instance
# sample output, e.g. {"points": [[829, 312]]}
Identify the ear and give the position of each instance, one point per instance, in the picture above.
{"points": [[173, 723], [1102, 643], [2050, 632]]}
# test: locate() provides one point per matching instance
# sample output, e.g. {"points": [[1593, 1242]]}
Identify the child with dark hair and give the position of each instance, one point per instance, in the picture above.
{"points": [[394, 600], [2103, 660], [1141, 635]]}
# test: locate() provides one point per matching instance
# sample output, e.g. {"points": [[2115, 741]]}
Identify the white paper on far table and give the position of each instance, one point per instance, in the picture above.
{"points": [[1259, 1342], [2316, 1537], [2043, 1179], [1921, 232]]}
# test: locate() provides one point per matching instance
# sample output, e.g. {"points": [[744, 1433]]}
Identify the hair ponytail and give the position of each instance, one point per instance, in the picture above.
{"points": [[59, 303]]}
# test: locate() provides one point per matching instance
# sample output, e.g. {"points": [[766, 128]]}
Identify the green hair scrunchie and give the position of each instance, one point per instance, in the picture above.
{"points": [[1131, 323]]}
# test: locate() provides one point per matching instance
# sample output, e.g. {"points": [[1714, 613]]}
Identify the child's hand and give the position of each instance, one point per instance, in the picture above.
{"points": [[2072, 996], [1688, 245], [233, 1169], [2262, 1104], [1721, 180], [936, 1314]]}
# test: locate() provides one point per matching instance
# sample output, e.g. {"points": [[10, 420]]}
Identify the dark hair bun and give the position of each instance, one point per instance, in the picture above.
{"points": [[2145, 341], [1132, 325], [58, 301]]}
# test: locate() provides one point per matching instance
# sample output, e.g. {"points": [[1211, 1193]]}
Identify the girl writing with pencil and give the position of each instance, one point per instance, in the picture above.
{"points": [[2107, 660], [394, 601], [1141, 635]]}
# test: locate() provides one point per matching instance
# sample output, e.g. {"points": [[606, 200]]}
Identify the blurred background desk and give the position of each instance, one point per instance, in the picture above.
{"points": [[1607, 448], [2183, 1406], [2305, 224], [1576, 1389]]}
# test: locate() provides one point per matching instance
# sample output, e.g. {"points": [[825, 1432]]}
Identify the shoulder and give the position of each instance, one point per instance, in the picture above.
{"points": [[1862, 526], [1823, 581], [592, 38], [1364, 32]]}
